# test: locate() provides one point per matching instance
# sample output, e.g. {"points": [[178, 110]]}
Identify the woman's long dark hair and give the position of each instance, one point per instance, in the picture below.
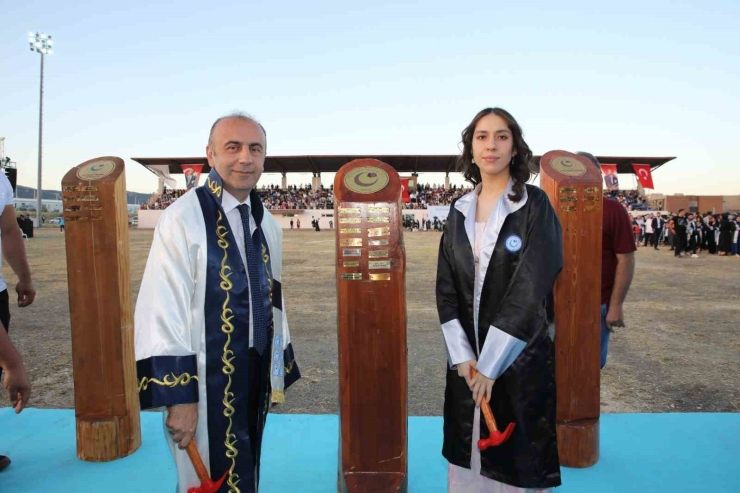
{"points": [[519, 168]]}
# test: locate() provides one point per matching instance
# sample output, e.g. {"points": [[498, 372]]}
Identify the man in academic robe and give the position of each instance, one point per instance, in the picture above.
{"points": [[212, 340], [680, 223]]}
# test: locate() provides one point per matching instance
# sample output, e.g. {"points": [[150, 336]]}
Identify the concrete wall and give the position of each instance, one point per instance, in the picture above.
{"points": [[731, 203], [695, 203]]}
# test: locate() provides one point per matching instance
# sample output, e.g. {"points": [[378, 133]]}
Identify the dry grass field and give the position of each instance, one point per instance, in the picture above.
{"points": [[680, 351]]}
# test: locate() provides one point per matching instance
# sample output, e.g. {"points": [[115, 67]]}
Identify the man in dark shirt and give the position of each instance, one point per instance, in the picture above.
{"points": [[617, 265], [679, 225]]}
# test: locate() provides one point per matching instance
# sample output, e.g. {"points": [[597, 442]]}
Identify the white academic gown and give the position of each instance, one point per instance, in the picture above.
{"points": [[170, 319]]}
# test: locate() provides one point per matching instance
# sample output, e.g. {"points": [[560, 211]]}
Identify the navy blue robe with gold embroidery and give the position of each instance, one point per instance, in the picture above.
{"points": [[192, 331]]}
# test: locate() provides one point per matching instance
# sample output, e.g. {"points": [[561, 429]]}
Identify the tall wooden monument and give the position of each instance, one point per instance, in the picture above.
{"points": [[573, 184], [96, 224], [371, 319]]}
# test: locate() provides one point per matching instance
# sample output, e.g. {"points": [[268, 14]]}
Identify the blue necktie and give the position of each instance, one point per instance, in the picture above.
{"points": [[254, 262]]}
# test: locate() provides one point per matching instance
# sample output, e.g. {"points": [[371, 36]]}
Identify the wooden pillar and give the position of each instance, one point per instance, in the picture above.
{"points": [[96, 236], [573, 184], [371, 320]]}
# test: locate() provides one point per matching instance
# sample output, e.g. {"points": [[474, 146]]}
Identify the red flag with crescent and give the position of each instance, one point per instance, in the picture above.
{"points": [[192, 174], [644, 175], [406, 185]]}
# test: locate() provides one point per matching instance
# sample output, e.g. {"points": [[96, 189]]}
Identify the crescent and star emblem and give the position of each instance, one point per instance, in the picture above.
{"points": [[366, 179], [370, 175]]}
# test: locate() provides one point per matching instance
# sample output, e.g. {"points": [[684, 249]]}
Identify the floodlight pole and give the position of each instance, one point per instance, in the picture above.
{"points": [[39, 191], [41, 44]]}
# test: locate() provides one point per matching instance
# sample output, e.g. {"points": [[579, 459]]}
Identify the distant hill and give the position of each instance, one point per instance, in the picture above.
{"points": [[29, 193]]}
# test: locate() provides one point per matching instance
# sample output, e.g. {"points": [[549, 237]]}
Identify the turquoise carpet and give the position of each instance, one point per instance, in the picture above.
{"points": [[670, 453]]}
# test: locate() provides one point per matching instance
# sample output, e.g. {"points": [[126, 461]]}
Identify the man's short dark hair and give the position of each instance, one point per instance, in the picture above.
{"points": [[591, 158], [680, 210]]}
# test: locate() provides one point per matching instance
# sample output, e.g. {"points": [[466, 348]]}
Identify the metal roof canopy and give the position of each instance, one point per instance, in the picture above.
{"points": [[402, 163]]}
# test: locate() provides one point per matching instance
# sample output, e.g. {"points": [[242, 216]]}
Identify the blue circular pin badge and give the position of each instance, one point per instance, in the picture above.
{"points": [[513, 243]]}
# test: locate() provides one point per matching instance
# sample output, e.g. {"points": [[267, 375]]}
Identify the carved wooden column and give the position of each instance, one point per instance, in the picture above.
{"points": [[573, 184], [371, 319], [96, 235]]}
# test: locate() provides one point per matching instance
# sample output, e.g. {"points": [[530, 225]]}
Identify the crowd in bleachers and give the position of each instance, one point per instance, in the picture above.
{"points": [[630, 199], [425, 195], [304, 197], [163, 200], [294, 197]]}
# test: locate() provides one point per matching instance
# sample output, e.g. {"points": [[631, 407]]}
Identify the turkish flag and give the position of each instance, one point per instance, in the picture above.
{"points": [[192, 174], [407, 184], [610, 176], [644, 175]]}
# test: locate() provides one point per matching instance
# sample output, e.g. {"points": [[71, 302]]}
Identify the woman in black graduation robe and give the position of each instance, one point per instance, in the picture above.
{"points": [[709, 228], [522, 269], [725, 235]]}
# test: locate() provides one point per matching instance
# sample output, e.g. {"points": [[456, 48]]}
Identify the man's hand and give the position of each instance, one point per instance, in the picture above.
{"points": [[463, 370], [181, 422], [18, 386], [614, 317], [26, 293], [482, 388]]}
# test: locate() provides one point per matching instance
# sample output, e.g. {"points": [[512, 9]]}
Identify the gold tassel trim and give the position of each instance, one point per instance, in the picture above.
{"points": [[278, 396]]}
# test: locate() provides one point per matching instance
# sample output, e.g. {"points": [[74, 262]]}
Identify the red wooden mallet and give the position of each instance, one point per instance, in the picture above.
{"points": [[495, 438], [206, 485]]}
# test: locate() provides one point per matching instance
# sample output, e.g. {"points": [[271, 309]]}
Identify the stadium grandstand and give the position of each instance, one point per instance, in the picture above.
{"points": [[307, 202]]}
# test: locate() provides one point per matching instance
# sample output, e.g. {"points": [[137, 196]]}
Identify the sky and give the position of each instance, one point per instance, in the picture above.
{"points": [[147, 79]]}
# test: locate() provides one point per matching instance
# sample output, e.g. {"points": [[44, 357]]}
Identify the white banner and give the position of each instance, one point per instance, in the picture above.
{"points": [[439, 211]]}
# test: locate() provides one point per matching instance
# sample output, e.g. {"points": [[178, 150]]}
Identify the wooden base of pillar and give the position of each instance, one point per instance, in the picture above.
{"points": [[373, 483], [578, 442], [106, 439]]}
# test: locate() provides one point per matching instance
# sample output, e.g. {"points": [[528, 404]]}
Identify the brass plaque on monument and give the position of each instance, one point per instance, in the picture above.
{"points": [[371, 320], [103, 361], [577, 298]]}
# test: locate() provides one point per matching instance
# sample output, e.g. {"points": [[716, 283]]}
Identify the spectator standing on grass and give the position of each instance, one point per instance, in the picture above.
{"points": [[709, 233], [648, 236], [617, 265], [14, 251], [691, 235], [636, 231], [61, 224], [680, 225], [657, 224], [726, 231]]}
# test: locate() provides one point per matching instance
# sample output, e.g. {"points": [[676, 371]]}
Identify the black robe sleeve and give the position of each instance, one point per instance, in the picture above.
{"points": [[540, 262], [457, 343], [446, 292]]}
